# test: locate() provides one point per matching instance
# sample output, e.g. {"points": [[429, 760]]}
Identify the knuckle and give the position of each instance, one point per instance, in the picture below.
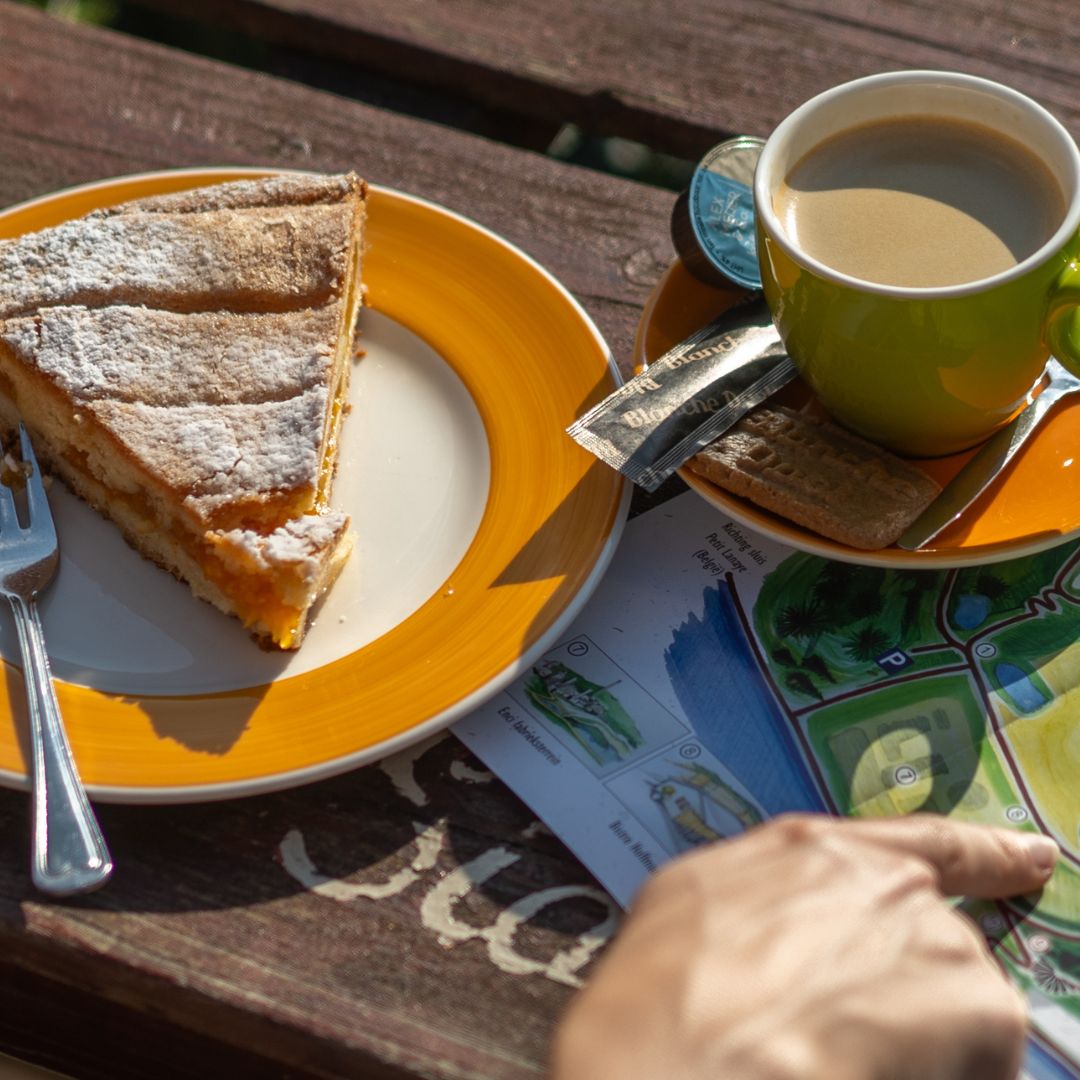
{"points": [[1007, 846], [1004, 1013], [1014, 1017], [962, 938], [914, 874], [659, 885], [798, 829], [954, 853]]}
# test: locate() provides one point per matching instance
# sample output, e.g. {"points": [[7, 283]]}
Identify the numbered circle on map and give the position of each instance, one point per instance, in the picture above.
{"points": [[1038, 944], [577, 648], [905, 775], [689, 751], [1016, 814], [984, 650], [992, 924]]}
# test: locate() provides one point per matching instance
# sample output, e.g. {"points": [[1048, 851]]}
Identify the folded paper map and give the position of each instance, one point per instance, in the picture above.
{"points": [[717, 678]]}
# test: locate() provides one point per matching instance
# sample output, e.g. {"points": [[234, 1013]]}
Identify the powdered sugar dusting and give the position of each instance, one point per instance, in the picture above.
{"points": [[239, 260], [299, 545], [219, 454], [128, 353], [284, 190]]}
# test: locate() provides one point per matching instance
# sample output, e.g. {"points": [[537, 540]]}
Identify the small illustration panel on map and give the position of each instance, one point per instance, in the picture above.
{"points": [[595, 708], [685, 797]]}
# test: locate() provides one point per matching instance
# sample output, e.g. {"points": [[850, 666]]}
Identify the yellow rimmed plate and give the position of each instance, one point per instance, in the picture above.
{"points": [[1033, 505], [487, 528]]}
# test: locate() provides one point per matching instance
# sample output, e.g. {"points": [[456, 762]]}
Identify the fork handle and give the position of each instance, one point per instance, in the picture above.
{"points": [[69, 851]]}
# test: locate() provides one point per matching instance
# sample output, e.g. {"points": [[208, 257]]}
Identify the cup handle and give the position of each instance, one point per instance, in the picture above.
{"points": [[1063, 318]]}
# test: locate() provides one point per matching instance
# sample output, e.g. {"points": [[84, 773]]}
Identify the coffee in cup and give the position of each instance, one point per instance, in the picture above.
{"points": [[950, 201], [917, 234]]}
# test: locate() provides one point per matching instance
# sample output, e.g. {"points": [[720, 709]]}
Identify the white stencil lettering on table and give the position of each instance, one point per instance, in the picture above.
{"points": [[297, 863], [444, 892]]}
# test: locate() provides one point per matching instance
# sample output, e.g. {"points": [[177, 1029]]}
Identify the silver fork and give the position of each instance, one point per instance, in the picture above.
{"points": [[69, 852]]}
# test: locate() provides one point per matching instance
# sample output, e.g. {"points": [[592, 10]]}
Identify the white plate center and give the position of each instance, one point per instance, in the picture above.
{"points": [[414, 474]]}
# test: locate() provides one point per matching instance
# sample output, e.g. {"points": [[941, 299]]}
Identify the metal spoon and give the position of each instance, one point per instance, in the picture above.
{"points": [[981, 471]]}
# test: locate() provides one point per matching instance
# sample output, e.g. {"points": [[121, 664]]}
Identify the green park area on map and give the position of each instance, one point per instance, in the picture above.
{"points": [[956, 692]]}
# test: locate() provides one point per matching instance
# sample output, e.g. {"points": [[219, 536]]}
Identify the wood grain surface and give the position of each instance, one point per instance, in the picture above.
{"points": [[79, 104], [400, 921], [213, 943], [675, 74], [393, 922]]}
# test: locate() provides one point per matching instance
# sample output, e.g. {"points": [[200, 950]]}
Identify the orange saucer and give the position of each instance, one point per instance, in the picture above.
{"points": [[1033, 505]]}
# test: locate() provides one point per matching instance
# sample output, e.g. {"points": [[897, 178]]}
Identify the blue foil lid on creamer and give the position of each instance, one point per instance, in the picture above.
{"points": [[712, 224]]}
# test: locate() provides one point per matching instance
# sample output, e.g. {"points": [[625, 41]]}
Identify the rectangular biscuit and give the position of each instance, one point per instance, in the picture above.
{"points": [[818, 475]]}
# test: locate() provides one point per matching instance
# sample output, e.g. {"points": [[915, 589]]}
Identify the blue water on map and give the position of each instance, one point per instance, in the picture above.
{"points": [[720, 687], [971, 610], [1026, 696], [1041, 1064]]}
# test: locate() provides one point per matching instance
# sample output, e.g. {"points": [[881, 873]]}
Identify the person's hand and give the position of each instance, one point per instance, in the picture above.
{"points": [[812, 948]]}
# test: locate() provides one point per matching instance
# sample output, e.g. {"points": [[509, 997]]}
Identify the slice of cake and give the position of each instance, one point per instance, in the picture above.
{"points": [[182, 363]]}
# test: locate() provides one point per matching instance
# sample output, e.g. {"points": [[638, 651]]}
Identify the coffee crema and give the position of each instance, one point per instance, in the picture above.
{"points": [[920, 202]]}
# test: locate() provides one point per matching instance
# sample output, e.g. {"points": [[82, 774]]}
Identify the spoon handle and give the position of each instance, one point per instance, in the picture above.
{"points": [[981, 471]]}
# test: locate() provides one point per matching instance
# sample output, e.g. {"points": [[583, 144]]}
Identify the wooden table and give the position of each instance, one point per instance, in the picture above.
{"points": [[397, 921]]}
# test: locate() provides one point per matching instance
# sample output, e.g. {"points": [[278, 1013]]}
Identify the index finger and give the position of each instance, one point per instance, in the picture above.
{"points": [[979, 861]]}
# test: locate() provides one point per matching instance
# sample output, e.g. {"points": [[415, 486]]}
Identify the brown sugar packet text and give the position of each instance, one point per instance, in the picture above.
{"points": [[686, 398]]}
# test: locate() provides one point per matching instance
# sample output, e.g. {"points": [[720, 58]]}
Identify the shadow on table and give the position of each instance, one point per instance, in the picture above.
{"points": [[359, 828], [213, 728], [357, 832]]}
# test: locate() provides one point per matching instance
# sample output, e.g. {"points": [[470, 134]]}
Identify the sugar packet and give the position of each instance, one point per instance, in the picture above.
{"points": [[688, 397]]}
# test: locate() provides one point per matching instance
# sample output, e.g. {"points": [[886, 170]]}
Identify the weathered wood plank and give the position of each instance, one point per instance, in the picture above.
{"points": [[80, 104], [213, 926], [676, 74], [34, 1010], [364, 925]]}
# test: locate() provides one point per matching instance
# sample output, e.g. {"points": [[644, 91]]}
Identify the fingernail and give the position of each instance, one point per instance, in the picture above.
{"points": [[1043, 851]]}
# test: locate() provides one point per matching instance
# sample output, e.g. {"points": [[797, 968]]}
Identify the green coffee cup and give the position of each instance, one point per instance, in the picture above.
{"points": [[924, 370]]}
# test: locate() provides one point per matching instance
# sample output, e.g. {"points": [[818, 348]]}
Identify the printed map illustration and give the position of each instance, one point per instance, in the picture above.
{"points": [[718, 678], [893, 691], [699, 807], [588, 712]]}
